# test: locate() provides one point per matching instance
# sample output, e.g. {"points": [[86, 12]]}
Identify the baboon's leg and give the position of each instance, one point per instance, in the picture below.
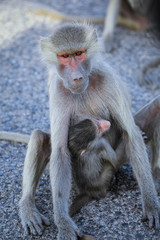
{"points": [[148, 119], [80, 201], [37, 157], [110, 22]]}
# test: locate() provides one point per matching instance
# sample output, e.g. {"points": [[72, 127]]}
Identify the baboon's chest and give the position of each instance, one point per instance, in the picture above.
{"points": [[90, 106]]}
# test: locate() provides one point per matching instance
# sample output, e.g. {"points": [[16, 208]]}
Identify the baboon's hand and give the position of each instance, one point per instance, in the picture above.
{"points": [[67, 229], [152, 214]]}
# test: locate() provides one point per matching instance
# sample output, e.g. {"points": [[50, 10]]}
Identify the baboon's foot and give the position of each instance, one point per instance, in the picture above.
{"points": [[32, 220]]}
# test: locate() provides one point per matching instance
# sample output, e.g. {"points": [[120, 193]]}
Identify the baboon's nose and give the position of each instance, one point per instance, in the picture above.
{"points": [[77, 80]]}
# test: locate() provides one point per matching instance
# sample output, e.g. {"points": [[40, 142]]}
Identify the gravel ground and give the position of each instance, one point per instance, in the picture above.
{"points": [[24, 107], [80, 8]]}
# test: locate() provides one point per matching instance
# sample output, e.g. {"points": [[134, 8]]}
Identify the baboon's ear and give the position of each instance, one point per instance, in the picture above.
{"points": [[47, 50], [94, 45]]}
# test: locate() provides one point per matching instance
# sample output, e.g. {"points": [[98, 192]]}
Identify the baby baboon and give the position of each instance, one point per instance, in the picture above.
{"points": [[93, 161]]}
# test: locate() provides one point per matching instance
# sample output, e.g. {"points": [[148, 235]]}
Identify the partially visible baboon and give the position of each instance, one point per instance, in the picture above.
{"points": [[81, 84], [148, 119], [116, 9], [147, 8], [150, 10]]}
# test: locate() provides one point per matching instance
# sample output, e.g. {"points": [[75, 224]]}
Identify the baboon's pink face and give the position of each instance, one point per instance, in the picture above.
{"points": [[73, 68]]}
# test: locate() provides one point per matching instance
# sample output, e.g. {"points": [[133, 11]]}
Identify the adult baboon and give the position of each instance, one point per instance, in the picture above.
{"points": [[81, 84]]}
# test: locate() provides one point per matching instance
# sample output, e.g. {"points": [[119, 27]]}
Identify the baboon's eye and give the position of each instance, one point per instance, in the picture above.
{"points": [[65, 55], [78, 53]]}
